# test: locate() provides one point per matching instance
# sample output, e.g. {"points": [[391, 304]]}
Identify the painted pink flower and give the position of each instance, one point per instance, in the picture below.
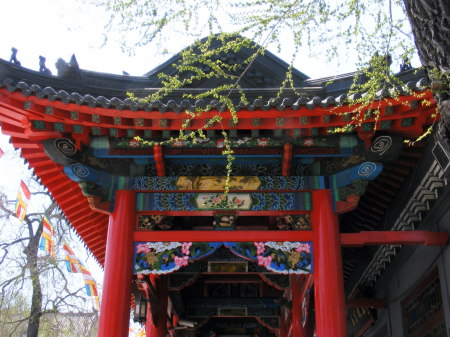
{"points": [[238, 202], [264, 261], [263, 141], [308, 142], [134, 143], [217, 199], [181, 261], [142, 248], [260, 249], [303, 247], [185, 247]]}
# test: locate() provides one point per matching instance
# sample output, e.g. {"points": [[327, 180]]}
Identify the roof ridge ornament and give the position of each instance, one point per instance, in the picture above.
{"points": [[13, 59], [69, 70], [42, 67]]}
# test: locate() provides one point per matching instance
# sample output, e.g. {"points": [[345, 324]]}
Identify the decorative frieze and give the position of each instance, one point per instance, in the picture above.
{"points": [[214, 183], [74, 115], [182, 202], [95, 118], [277, 257], [49, 110]]}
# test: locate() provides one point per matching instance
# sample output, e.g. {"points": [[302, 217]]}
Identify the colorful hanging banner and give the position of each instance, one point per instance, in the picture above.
{"points": [[141, 333], [74, 265], [23, 198], [90, 285], [47, 242], [135, 333]]}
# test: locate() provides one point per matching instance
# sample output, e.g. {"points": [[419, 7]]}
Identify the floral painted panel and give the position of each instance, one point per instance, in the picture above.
{"points": [[215, 183], [167, 257], [218, 201], [233, 201], [278, 257]]}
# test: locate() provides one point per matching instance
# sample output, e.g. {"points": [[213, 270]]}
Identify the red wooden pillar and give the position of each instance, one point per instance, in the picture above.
{"points": [[116, 296], [156, 325], [328, 277], [298, 330], [283, 331]]}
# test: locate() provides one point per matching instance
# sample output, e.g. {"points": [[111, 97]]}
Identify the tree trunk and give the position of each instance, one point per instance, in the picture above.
{"points": [[36, 301], [32, 264], [430, 22]]}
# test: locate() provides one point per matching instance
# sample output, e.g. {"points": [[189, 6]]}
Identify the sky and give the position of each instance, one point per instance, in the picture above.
{"points": [[59, 28], [12, 171]]}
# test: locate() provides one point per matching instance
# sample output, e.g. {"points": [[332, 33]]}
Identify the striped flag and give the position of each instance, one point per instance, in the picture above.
{"points": [[23, 198], [90, 285], [73, 264], [47, 242], [141, 333]]}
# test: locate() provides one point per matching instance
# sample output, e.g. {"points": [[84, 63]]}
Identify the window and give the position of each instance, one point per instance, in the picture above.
{"points": [[423, 311]]}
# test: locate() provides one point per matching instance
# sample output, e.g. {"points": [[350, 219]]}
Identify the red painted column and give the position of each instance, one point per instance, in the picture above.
{"points": [[328, 277], [298, 330], [156, 325], [116, 296]]}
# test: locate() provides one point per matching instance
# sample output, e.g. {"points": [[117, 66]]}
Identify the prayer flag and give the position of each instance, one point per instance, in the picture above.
{"points": [[96, 302], [73, 264], [90, 284], [23, 198], [47, 242], [141, 333]]}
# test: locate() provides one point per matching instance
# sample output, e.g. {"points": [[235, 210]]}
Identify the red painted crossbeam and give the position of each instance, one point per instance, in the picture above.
{"points": [[221, 236], [347, 239], [425, 238]]}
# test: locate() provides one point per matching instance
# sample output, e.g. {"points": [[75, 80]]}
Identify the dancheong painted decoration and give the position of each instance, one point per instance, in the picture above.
{"points": [[308, 229], [278, 257]]}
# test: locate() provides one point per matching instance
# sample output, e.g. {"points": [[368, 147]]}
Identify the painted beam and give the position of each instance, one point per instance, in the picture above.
{"points": [[194, 202], [221, 236], [425, 238], [375, 303]]}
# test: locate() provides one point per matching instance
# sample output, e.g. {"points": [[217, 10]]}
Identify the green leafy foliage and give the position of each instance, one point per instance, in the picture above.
{"points": [[372, 33]]}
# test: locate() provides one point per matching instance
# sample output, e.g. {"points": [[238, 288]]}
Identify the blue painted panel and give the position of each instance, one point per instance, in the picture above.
{"points": [[366, 171]]}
